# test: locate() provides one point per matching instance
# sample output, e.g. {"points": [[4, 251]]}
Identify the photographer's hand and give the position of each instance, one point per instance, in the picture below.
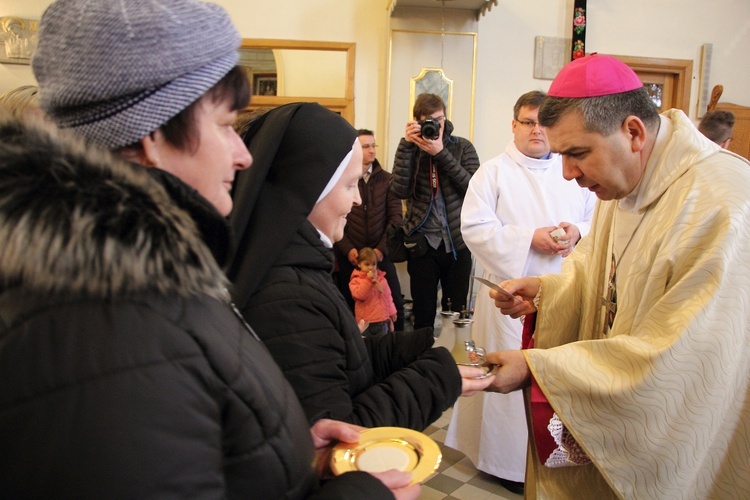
{"points": [[431, 147], [413, 131], [414, 134], [572, 236]]}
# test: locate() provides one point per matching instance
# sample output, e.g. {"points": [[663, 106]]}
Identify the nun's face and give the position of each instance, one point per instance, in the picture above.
{"points": [[329, 214]]}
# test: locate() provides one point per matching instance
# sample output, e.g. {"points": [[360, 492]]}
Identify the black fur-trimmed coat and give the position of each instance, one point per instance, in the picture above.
{"points": [[124, 371]]}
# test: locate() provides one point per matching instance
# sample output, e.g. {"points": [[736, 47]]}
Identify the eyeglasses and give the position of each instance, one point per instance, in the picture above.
{"points": [[527, 124], [369, 146]]}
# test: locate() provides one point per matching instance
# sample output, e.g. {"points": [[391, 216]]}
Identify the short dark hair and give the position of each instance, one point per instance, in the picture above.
{"points": [[426, 104], [531, 100], [717, 125], [603, 114], [364, 131], [233, 87]]}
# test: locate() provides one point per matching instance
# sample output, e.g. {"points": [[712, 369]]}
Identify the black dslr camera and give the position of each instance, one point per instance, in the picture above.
{"points": [[430, 128]]}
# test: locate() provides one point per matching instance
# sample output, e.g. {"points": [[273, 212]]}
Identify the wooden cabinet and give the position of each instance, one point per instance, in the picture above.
{"points": [[740, 142]]}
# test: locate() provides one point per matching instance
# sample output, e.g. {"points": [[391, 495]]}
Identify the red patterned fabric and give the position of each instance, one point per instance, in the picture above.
{"points": [[541, 411], [551, 453]]}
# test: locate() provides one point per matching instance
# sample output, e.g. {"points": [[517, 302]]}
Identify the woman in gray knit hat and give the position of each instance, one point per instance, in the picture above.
{"points": [[124, 369]]}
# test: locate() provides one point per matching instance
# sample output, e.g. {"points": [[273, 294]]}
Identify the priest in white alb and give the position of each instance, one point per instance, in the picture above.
{"points": [[513, 206], [637, 359]]}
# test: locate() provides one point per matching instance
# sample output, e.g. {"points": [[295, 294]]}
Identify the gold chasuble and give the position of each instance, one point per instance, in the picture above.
{"points": [[661, 401]]}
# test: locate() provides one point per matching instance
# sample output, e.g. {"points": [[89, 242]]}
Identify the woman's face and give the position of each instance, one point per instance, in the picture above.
{"points": [[329, 214], [220, 153]]}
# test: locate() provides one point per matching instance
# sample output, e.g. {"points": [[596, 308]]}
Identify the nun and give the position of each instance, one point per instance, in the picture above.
{"points": [[290, 208]]}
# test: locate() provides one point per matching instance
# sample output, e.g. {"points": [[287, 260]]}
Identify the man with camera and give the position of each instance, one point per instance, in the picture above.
{"points": [[431, 172]]}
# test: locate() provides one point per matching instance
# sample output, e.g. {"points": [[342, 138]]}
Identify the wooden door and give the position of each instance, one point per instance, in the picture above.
{"points": [[660, 87], [668, 80]]}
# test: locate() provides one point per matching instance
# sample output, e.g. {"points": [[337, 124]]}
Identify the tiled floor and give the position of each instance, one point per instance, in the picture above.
{"points": [[456, 477]]}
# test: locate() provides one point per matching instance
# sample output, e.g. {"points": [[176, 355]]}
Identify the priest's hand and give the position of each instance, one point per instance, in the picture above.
{"points": [[512, 372], [572, 235], [524, 290], [543, 242]]}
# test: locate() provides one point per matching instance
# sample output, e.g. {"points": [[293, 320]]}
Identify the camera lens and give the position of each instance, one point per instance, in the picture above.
{"points": [[430, 128]]}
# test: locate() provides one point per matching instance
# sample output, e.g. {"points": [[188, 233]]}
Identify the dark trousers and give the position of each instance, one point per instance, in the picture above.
{"points": [[391, 276], [438, 266]]}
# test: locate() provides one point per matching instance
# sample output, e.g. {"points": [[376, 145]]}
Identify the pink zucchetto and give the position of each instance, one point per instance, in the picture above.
{"points": [[593, 76]]}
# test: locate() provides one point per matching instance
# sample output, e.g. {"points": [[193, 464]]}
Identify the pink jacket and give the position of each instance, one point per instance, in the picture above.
{"points": [[373, 302]]}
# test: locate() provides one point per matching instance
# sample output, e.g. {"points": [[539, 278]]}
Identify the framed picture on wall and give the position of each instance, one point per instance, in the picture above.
{"points": [[432, 81], [263, 83], [18, 39]]}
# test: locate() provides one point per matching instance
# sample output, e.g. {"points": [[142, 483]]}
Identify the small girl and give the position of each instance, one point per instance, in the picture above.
{"points": [[373, 301]]}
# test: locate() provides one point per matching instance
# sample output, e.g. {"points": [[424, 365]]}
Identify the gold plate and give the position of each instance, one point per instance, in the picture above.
{"points": [[385, 448]]}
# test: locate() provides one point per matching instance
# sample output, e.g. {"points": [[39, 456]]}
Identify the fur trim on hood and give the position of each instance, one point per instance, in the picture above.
{"points": [[75, 219]]}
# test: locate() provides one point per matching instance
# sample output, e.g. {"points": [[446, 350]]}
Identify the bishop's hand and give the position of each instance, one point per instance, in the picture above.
{"points": [[512, 371], [524, 290]]}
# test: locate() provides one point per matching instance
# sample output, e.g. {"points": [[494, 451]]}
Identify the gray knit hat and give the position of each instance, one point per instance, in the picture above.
{"points": [[115, 71]]}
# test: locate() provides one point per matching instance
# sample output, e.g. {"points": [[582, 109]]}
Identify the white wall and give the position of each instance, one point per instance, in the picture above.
{"points": [[311, 73], [361, 21], [674, 29], [506, 65], [668, 28], [417, 44]]}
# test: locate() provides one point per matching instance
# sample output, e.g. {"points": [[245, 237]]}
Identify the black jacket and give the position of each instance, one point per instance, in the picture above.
{"points": [[391, 380], [124, 371], [366, 224], [456, 163]]}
